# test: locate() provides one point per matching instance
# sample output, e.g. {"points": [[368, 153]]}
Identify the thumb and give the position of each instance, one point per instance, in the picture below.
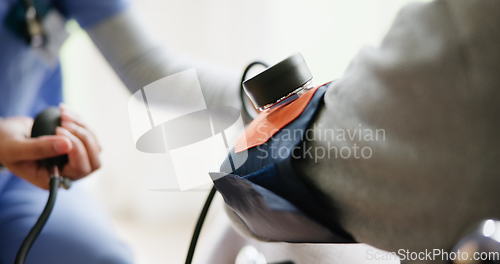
{"points": [[39, 148]]}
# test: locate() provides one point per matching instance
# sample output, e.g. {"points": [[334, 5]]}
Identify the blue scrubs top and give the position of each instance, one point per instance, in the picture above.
{"points": [[27, 83]]}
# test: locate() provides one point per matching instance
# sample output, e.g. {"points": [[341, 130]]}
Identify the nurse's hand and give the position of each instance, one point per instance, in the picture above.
{"points": [[19, 153]]}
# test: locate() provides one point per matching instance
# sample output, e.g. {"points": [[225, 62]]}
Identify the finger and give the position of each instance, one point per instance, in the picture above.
{"points": [[79, 164], [88, 139], [84, 133], [37, 148], [71, 116], [67, 115]]}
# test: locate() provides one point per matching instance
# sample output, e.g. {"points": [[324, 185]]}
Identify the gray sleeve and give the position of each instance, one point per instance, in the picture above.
{"points": [[426, 103], [139, 60]]}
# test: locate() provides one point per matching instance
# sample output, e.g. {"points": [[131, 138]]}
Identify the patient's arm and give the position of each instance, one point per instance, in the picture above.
{"points": [[139, 60], [433, 86]]}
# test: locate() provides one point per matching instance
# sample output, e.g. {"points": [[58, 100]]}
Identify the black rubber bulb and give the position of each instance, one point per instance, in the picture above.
{"points": [[45, 124]]}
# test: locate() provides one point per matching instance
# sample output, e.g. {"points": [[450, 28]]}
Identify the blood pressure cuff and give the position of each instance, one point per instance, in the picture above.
{"points": [[267, 194]]}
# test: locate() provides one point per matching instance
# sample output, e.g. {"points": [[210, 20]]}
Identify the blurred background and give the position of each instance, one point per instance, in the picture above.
{"points": [[158, 223]]}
